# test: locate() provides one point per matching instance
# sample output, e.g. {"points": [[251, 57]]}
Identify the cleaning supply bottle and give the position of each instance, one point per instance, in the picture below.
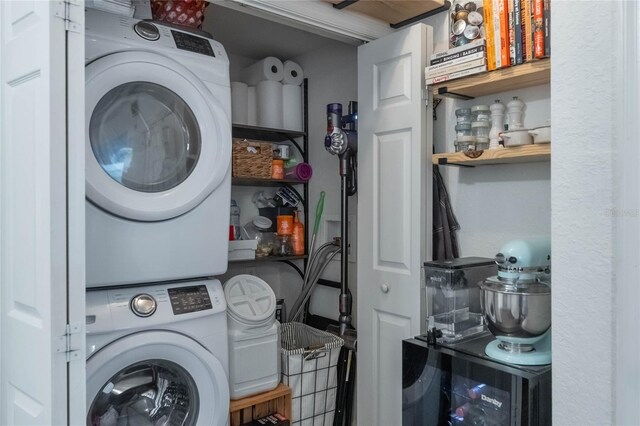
{"points": [[298, 235]]}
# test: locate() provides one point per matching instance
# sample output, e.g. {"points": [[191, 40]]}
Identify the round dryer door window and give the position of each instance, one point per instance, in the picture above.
{"points": [[145, 137], [156, 378], [158, 140]]}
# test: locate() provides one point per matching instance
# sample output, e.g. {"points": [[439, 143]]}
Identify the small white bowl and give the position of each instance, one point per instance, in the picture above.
{"points": [[541, 134], [516, 137]]}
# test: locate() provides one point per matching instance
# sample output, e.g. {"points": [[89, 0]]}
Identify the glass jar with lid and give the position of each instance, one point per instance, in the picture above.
{"points": [[258, 229], [480, 113], [463, 115]]}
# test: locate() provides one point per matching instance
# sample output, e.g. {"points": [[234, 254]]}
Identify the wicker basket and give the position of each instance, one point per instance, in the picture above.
{"points": [[252, 159]]}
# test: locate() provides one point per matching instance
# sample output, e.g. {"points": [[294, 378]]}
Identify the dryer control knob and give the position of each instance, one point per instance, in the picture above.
{"points": [[147, 30], [143, 305]]}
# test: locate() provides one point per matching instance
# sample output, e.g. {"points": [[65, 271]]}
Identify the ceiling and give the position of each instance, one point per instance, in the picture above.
{"points": [[253, 37]]}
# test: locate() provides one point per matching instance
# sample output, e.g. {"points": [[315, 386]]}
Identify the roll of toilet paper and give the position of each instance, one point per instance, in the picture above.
{"points": [[270, 68], [292, 107], [269, 101], [293, 73], [252, 110], [239, 102]]}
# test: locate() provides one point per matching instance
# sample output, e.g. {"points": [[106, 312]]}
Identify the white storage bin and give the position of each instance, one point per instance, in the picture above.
{"points": [[242, 249], [254, 336]]}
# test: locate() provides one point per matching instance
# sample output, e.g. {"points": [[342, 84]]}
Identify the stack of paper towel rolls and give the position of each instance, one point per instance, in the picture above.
{"points": [[269, 95]]}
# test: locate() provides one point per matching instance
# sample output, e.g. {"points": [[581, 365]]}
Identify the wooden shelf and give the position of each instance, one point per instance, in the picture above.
{"points": [[240, 181], [396, 13], [512, 78], [254, 407], [517, 154]]}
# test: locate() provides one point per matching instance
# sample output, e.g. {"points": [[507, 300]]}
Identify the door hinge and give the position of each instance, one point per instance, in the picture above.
{"points": [[67, 343], [71, 12]]}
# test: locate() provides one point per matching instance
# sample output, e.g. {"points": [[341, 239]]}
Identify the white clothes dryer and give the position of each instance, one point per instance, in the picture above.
{"points": [[157, 355], [158, 152]]}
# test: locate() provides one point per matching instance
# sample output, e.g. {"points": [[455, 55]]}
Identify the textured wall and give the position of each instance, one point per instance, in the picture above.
{"points": [[583, 108]]}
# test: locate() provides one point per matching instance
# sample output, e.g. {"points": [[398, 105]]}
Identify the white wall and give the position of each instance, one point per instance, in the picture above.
{"points": [[587, 101], [493, 204]]}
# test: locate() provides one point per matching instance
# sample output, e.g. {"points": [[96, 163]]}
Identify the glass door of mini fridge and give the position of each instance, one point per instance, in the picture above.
{"points": [[443, 386]]}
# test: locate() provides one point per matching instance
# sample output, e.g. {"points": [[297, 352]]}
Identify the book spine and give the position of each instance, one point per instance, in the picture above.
{"points": [[496, 32], [457, 55], [538, 37], [512, 33], [547, 28], [504, 32], [473, 43], [518, 30], [476, 62], [459, 74], [487, 6], [528, 34]]}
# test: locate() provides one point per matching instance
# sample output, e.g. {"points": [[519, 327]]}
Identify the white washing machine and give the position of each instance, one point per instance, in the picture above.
{"points": [[158, 152], [157, 355]]}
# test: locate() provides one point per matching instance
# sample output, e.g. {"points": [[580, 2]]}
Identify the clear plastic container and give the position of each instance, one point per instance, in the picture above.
{"points": [[480, 113], [463, 115], [465, 143], [283, 246], [480, 129], [259, 229], [463, 129]]}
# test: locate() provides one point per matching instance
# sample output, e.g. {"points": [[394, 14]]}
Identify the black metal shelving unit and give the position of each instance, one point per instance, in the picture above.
{"points": [[280, 135]]}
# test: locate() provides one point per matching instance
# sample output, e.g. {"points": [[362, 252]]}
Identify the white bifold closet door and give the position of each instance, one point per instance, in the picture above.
{"points": [[394, 226], [42, 213]]}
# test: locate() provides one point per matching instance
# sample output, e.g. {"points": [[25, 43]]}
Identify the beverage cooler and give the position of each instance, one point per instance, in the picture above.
{"points": [[457, 384]]}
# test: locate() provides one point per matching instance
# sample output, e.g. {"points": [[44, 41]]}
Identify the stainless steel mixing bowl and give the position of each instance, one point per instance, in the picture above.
{"points": [[522, 311]]}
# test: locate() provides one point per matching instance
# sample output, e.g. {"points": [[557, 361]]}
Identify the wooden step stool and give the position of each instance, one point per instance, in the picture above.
{"points": [[253, 407]]}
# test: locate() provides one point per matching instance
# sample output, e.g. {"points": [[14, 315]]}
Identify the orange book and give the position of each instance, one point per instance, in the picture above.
{"points": [[538, 28], [527, 32], [487, 6], [504, 33]]}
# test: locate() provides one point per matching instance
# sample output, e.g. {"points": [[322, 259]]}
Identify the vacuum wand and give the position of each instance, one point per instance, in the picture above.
{"points": [[342, 140]]}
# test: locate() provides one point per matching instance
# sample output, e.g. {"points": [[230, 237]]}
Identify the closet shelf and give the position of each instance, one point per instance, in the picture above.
{"points": [[264, 133], [517, 154], [241, 181], [270, 259], [396, 13], [502, 80]]}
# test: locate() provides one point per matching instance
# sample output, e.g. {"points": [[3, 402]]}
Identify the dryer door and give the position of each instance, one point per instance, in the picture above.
{"points": [[156, 378], [158, 142]]}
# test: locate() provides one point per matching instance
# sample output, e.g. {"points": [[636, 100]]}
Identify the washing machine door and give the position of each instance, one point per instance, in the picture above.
{"points": [[158, 141], [156, 378]]}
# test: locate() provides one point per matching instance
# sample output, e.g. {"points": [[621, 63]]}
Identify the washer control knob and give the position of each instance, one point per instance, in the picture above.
{"points": [[143, 305], [147, 30]]}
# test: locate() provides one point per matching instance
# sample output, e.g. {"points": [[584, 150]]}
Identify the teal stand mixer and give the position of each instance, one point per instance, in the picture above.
{"points": [[516, 303]]}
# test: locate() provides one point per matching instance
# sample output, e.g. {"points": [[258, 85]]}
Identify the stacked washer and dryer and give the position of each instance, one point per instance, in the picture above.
{"points": [[158, 186]]}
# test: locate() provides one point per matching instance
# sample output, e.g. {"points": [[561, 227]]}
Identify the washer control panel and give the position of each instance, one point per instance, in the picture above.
{"points": [[189, 299], [143, 305], [192, 43]]}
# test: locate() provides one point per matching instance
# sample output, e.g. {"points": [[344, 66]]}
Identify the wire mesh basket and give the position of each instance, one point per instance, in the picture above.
{"points": [[309, 367]]}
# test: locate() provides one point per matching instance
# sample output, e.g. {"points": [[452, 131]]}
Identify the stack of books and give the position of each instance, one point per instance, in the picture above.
{"points": [[516, 31], [462, 61]]}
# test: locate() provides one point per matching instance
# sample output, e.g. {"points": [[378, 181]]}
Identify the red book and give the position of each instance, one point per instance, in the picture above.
{"points": [[538, 28], [527, 33], [504, 33]]}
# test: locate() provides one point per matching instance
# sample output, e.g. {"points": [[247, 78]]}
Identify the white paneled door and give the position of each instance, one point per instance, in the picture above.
{"points": [[395, 184], [41, 213]]}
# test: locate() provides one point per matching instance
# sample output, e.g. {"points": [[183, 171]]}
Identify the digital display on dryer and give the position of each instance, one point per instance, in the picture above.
{"points": [[192, 43], [189, 299]]}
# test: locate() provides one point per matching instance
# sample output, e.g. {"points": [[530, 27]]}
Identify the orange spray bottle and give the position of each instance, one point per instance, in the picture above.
{"points": [[297, 239]]}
